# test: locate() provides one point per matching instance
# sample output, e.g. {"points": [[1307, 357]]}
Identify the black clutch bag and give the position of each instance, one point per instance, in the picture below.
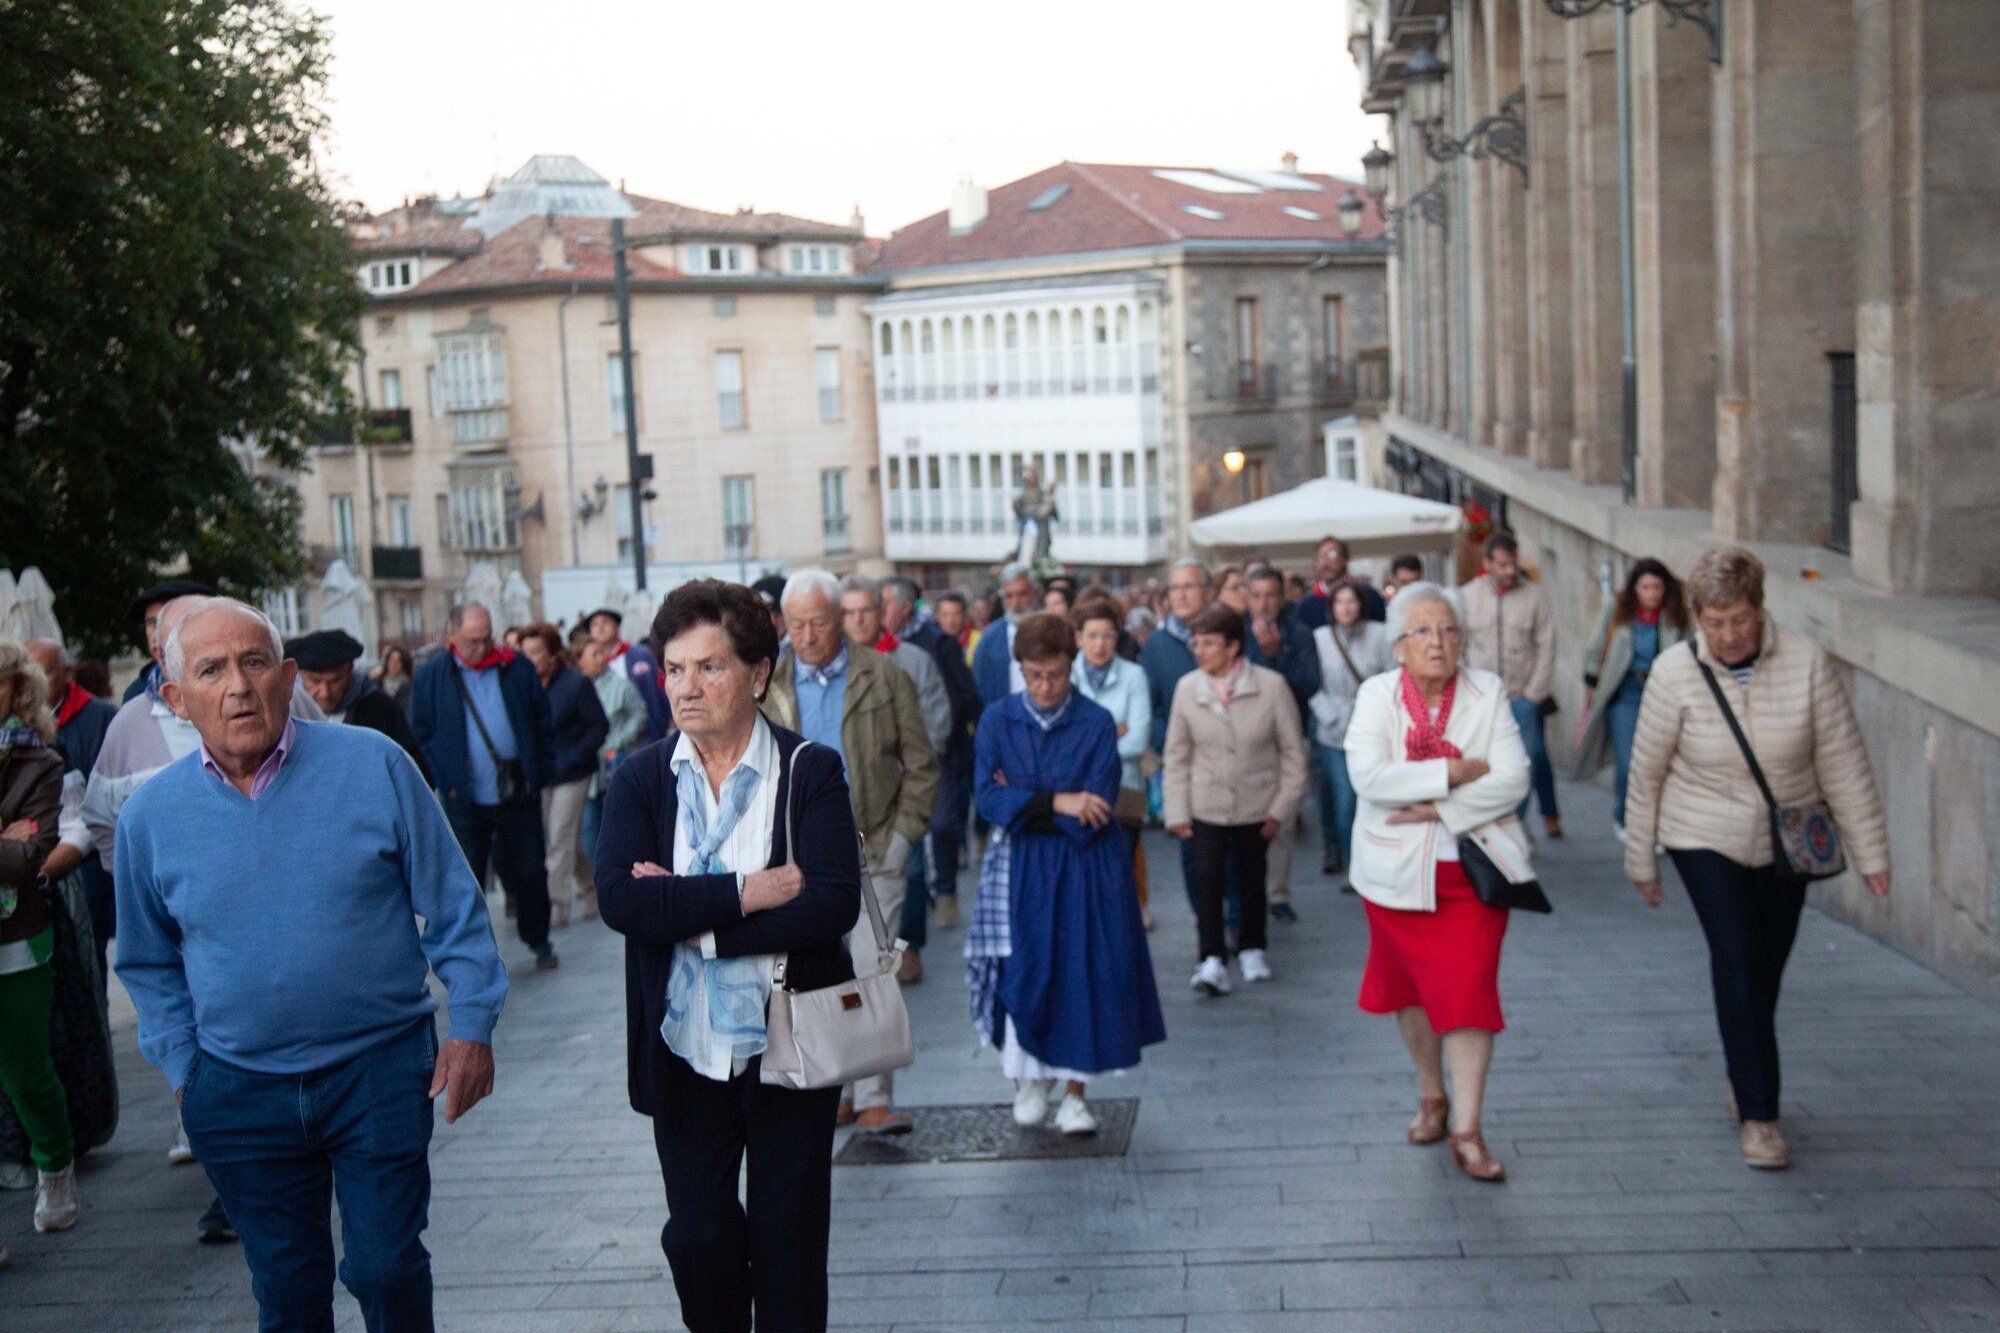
{"points": [[1495, 889]]}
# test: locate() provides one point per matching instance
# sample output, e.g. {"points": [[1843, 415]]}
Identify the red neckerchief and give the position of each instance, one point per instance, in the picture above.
{"points": [[1645, 617], [1321, 588], [1426, 738], [499, 655], [619, 651], [72, 703], [887, 643]]}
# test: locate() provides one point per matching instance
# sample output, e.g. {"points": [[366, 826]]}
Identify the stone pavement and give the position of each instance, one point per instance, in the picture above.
{"points": [[1268, 1185]]}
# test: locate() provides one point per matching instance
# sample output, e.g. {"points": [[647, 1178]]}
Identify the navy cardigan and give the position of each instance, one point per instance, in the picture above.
{"points": [[655, 913]]}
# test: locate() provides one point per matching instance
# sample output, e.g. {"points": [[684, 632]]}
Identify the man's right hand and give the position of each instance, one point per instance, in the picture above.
{"points": [[765, 889], [1458, 772]]}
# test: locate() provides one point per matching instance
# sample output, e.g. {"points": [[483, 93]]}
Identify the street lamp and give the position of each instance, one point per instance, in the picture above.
{"points": [[1350, 209], [1233, 461], [1375, 164], [1502, 135], [1423, 79]]}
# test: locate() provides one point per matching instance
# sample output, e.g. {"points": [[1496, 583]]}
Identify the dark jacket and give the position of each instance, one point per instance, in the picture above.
{"points": [[31, 778], [653, 914], [437, 716], [376, 710], [991, 663], [82, 736], [577, 725], [1311, 609], [1164, 659], [958, 683], [1296, 659]]}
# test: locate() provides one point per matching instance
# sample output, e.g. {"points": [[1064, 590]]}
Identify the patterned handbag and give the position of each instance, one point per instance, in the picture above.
{"points": [[1804, 838]]}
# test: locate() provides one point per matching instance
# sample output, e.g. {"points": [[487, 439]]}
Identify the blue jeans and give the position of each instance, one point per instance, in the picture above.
{"points": [[1622, 717], [280, 1148], [915, 924], [1529, 716], [1339, 789]]}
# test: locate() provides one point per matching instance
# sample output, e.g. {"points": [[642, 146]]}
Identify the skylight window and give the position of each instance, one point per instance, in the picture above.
{"points": [[1202, 211], [1208, 180], [1047, 198], [1303, 214], [1277, 180]]}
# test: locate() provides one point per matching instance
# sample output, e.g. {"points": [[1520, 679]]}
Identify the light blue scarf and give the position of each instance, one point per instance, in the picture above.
{"points": [[715, 1006]]}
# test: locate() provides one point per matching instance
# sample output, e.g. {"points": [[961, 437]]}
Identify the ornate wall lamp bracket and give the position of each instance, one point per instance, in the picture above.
{"points": [[1704, 14], [1502, 135]]}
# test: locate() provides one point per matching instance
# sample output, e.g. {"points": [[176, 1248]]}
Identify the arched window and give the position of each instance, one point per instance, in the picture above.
{"points": [[906, 338], [1149, 347], [968, 355], [948, 357], [1122, 347], [1079, 353], [927, 359], [1010, 342], [989, 343], [887, 361], [1032, 374]]}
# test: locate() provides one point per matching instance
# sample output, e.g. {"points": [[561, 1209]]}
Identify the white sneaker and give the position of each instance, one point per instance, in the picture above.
{"points": [[1212, 977], [1253, 965], [1074, 1117], [1031, 1102], [55, 1200], [179, 1154]]}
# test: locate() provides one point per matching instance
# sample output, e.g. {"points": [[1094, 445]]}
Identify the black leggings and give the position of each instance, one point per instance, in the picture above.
{"points": [[1751, 917], [1225, 854]]}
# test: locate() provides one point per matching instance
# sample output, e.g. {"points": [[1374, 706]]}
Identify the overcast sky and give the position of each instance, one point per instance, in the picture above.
{"points": [[809, 108]]}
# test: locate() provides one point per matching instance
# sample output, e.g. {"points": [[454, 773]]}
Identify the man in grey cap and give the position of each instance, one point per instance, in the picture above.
{"points": [[326, 661]]}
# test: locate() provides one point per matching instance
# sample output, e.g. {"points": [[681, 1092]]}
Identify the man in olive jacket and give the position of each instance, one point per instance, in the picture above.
{"points": [[862, 706]]}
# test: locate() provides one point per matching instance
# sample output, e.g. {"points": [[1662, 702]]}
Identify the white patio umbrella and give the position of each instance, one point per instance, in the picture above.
{"points": [[7, 596], [33, 614], [517, 601], [346, 604], [1372, 522], [482, 585]]}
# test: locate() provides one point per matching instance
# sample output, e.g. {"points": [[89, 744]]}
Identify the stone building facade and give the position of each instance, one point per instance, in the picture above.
{"points": [[1815, 320]]}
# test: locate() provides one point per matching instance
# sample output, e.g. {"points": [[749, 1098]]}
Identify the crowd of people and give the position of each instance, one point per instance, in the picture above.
{"points": [[731, 793]]}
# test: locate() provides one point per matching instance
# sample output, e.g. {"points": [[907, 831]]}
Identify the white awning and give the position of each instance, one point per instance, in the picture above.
{"points": [[1371, 522]]}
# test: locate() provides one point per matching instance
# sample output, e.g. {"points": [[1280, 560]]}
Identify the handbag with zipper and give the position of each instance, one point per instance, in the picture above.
{"points": [[834, 1035], [1493, 885], [1804, 838]]}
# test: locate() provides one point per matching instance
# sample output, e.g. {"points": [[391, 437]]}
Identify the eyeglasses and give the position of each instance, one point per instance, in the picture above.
{"points": [[1427, 632], [1044, 677]]}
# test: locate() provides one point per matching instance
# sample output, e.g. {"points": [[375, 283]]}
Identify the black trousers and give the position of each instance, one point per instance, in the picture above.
{"points": [[771, 1258], [512, 836], [1751, 917], [1225, 855]]}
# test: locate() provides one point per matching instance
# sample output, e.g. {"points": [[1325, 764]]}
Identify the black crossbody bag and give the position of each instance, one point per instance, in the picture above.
{"points": [[510, 780]]}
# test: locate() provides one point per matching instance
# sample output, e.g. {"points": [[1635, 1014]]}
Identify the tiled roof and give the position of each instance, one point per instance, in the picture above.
{"points": [[1111, 206], [414, 227], [515, 256], [658, 217]]}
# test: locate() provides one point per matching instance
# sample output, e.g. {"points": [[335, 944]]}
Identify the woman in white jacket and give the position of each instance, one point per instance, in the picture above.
{"points": [[1435, 755]]}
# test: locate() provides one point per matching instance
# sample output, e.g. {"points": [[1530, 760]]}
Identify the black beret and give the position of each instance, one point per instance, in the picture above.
{"points": [[772, 586], [166, 592], [617, 617], [324, 650]]}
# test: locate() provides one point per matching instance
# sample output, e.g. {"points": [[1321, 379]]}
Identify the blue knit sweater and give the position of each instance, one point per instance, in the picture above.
{"points": [[280, 934]]}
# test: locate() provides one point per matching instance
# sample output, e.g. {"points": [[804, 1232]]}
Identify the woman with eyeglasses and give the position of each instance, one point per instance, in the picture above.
{"points": [[1435, 755]]}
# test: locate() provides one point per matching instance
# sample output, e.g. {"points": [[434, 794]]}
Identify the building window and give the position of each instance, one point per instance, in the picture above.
{"points": [[824, 305], [826, 374], [621, 521], [725, 307], [413, 619], [1246, 345], [1330, 333], [706, 259], [729, 390], [737, 521], [392, 388], [815, 259], [290, 610], [1346, 456], [402, 521], [1846, 458], [343, 526], [433, 392], [614, 389], [390, 276], [472, 370], [385, 324], [833, 510], [483, 515]]}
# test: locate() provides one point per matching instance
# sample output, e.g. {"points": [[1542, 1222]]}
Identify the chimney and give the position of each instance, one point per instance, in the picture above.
{"points": [[968, 205], [553, 257], [1290, 161], [856, 221]]}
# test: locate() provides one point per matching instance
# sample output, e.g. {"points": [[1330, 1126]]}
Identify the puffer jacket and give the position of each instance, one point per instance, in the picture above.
{"points": [[1240, 764], [1689, 787], [31, 777], [1511, 634]]}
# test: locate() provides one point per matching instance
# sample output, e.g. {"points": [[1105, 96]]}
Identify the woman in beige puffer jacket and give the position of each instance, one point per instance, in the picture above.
{"points": [[1691, 790]]}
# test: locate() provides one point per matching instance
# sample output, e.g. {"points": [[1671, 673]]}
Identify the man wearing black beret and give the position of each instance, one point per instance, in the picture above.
{"points": [[326, 669]]}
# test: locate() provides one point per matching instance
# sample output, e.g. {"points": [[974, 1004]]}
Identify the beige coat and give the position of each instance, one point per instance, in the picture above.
{"points": [[1511, 635], [1241, 764], [892, 772], [1689, 787]]}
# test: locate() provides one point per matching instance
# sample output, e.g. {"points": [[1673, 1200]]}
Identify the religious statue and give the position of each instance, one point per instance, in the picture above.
{"points": [[1034, 519]]}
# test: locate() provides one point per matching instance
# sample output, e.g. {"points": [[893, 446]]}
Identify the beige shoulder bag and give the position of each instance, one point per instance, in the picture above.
{"points": [[834, 1035]]}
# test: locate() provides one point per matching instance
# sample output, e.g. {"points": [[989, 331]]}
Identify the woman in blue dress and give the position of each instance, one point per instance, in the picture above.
{"points": [[1061, 978], [1648, 616]]}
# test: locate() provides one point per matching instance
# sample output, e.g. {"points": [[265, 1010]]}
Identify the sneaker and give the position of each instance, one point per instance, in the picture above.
{"points": [[55, 1200], [178, 1153], [944, 912], [1031, 1102], [1764, 1146], [1283, 912], [1253, 965], [1211, 978], [1329, 865], [214, 1228], [1073, 1117], [546, 960]]}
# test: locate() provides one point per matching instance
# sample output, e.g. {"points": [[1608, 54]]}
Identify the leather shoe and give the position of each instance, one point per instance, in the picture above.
{"points": [[844, 1116], [1433, 1118], [944, 911], [1554, 824], [1469, 1151], [911, 970], [882, 1120], [1764, 1147]]}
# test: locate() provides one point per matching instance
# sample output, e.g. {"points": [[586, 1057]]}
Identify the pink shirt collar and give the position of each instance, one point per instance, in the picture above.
{"points": [[267, 772]]}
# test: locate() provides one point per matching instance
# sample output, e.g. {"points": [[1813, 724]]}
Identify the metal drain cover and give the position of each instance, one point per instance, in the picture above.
{"points": [[989, 1134]]}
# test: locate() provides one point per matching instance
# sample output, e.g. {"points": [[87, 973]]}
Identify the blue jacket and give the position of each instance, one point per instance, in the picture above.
{"points": [[437, 715], [1296, 659], [1164, 659], [1311, 609], [992, 663], [577, 725], [643, 670], [966, 703]]}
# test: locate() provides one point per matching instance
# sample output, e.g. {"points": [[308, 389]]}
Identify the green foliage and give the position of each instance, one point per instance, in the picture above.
{"points": [[175, 291]]}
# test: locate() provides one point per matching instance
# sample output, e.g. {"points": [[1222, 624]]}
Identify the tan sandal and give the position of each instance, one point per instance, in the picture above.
{"points": [[1433, 1119], [1469, 1151]]}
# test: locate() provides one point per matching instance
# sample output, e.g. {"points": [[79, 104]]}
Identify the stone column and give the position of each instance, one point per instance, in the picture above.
{"points": [[1545, 62], [1928, 331], [1594, 290], [1506, 227], [1469, 63], [1785, 188], [1674, 258]]}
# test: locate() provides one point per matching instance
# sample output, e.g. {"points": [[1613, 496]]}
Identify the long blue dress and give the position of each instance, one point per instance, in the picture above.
{"points": [[1078, 984]]}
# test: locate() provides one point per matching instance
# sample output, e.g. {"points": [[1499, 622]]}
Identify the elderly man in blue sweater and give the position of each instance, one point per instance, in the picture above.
{"points": [[269, 885]]}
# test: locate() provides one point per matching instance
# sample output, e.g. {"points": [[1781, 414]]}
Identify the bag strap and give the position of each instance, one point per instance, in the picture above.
{"points": [[1333, 632], [477, 721], [1736, 730], [869, 900]]}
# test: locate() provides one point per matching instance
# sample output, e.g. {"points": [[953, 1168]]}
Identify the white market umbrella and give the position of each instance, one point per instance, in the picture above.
{"points": [[1372, 522], [345, 604], [517, 601], [33, 614], [7, 596], [482, 585]]}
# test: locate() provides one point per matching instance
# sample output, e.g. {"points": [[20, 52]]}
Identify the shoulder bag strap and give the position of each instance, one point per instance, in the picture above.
{"points": [[472, 710], [1742, 741], [1333, 632], [883, 942]]}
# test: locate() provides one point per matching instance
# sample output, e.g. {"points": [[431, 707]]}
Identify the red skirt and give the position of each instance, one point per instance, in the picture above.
{"points": [[1447, 961]]}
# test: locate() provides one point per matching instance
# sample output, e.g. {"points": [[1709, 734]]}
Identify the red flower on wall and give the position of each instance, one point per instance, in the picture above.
{"points": [[1478, 520]]}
